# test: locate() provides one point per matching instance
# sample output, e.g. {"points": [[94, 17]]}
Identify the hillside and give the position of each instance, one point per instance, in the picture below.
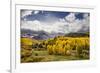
{"points": [[54, 49], [77, 35]]}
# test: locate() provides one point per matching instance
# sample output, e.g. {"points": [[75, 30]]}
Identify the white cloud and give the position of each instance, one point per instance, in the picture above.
{"points": [[38, 26], [76, 24], [32, 25], [62, 20], [61, 26], [70, 17], [85, 15], [26, 12], [36, 12]]}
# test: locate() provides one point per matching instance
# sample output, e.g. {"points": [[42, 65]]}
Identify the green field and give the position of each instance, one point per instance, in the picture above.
{"points": [[56, 49], [43, 56]]}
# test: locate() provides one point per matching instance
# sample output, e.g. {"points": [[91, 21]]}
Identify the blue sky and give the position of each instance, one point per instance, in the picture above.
{"points": [[54, 21]]}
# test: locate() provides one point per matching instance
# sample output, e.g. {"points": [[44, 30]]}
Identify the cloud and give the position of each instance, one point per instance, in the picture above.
{"points": [[86, 15], [26, 12], [44, 16], [38, 26], [78, 25], [62, 20], [36, 12], [32, 25], [75, 26], [71, 17], [50, 23]]}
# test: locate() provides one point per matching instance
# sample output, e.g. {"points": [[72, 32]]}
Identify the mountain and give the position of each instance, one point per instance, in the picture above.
{"points": [[27, 31], [42, 35], [77, 34], [39, 35]]}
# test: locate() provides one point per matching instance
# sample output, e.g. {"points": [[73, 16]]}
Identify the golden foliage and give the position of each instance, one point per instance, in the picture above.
{"points": [[65, 45]]}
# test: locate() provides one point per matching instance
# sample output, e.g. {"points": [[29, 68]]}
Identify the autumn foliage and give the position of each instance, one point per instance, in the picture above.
{"points": [[69, 46]]}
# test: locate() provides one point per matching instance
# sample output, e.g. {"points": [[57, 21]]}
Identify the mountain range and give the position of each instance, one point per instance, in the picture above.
{"points": [[42, 35]]}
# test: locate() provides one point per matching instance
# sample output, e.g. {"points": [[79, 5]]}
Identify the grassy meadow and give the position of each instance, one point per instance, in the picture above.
{"points": [[60, 48]]}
